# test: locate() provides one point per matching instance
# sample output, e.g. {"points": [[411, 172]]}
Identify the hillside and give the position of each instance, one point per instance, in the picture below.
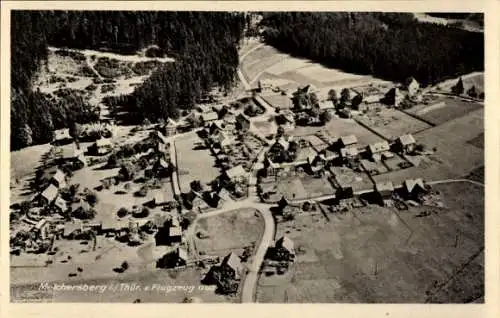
{"points": [[204, 45], [392, 46]]}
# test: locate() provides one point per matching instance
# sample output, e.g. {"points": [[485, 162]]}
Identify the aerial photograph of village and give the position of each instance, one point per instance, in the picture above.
{"points": [[246, 157]]}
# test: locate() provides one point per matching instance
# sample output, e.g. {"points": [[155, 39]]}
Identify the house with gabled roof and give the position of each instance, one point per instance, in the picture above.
{"points": [[346, 141], [209, 117], [413, 187], [60, 205], [61, 137], [234, 174], [171, 127], [101, 146], [59, 179], [175, 234], [377, 149], [384, 189], [393, 97], [231, 266], [412, 86], [316, 162], [48, 195], [284, 249], [406, 143], [242, 122]]}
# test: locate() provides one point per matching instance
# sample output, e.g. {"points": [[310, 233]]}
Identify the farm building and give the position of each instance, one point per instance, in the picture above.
{"points": [[101, 146], [384, 189], [231, 266], [284, 248], [175, 258], [286, 120], [379, 149], [59, 179], [127, 171], [171, 127], [349, 153], [175, 234], [234, 174], [406, 143], [48, 195], [316, 163], [347, 141], [412, 86], [265, 86], [218, 126], [62, 137], [242, 122], [60, 205], [209, 117], [413, 187], [326, 105], [393, 97], [195, 200], [272, 168]]}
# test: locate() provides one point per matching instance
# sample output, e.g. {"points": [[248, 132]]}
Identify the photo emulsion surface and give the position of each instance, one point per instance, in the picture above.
{"points": [[246, 157]]}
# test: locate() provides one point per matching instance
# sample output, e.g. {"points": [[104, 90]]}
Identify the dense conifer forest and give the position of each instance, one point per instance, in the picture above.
{"points": [[392, 46], [204, 45]]}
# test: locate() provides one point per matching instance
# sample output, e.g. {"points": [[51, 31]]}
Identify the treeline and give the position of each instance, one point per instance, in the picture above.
{"points": [[204, 45], [392, 46], [476, 17]]}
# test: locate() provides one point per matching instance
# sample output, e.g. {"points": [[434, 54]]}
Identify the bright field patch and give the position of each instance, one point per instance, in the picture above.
{"points": [[194, 162], [444, 110]]}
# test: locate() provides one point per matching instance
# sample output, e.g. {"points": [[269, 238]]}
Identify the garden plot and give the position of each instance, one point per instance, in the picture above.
{"points": [[344, 176], [194, 161], [391, 123], [232, 231], [451, 142], [278, 100], [445, 109], [339, 127]]}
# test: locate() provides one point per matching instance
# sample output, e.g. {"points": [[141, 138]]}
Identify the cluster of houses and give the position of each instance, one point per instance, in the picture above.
{"points": [[282, 156]]}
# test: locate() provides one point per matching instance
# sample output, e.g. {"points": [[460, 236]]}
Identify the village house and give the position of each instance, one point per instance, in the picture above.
{"points": [[347, 141], [175, 234], [231, 266], [412, 86], [406, 144], [394, 97], [265, 86], [218, 126], [41, 229], [209, 117], [60, 206], [242, 122], [326, 105], [48, 195], [62, 137], [379, 150], [158, 137], [175, 258], [286, 120], [101, 146], [272, 168], [204, 108], [349, 153], [384, 190], [194, 200], [233, 175], [162, 168], [284, 249], [413, 188], [59, 179], [316, 163], [171, 127]]}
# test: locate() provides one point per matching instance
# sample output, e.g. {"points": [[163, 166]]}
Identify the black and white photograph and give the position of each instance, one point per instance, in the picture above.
{"points": [[161, 156]]}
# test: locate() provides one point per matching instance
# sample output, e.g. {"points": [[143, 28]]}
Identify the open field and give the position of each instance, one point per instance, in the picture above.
{"points": [[278, 100], [343, 127], [377, 254], [476, 79], [267, 62], [304, 187], [451, 140], [228, 232], [193, 163], [439, 113], [391, 123]]}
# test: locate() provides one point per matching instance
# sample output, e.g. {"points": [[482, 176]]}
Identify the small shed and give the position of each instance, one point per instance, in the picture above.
{"points": [[348, 140], [384, 189]]}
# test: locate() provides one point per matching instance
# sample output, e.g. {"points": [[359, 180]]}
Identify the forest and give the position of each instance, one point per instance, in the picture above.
{"points": [[392, 46], [203, 44]]}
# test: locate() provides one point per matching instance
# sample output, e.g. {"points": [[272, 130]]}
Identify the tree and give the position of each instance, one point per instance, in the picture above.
{"points": [[472, 92], [195, 185], [26, 135], [344, 95], [112, 161], [91, 198], [458, 89], [332, 95], [122, 212], [356, 101], [280, 132], [325, 117], [75, 130], [313, 99]]}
